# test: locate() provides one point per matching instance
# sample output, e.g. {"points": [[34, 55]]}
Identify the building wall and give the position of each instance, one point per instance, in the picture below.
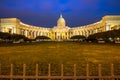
{"points": [[14, 25]]}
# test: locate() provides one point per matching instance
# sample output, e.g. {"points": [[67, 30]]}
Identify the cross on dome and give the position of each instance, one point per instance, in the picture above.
{"points": [[60, 15]]}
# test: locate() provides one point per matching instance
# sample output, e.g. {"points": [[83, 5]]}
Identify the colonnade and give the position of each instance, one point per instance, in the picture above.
{"points": [[14, 25]]}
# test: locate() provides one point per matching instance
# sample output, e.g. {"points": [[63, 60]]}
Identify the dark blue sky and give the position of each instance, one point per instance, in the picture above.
{"points": [[45, 13]]}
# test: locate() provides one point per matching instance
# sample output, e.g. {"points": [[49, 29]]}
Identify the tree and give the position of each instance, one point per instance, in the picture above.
{"points": [[17, 37], [78, 37]]}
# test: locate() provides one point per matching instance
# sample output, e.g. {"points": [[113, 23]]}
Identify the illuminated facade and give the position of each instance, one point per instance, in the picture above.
{"points": [[61, 31]]}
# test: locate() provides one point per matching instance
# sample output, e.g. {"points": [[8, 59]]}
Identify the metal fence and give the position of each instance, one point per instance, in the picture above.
{"points": [[14, 72]]}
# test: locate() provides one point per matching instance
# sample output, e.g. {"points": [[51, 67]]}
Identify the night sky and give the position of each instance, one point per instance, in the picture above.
{"points": [[45, 13]]}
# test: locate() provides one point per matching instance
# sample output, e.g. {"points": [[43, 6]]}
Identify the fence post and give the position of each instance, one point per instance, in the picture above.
{"points": [[87, 71], [24, 71], [36, 71], [99, 71], [49, 71], [11, 72], [62, 73], [0, 69], [112, 70], [74, 71]]}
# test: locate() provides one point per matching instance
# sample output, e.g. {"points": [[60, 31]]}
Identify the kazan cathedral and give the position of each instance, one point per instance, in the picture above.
{"points": [[61, 31]]}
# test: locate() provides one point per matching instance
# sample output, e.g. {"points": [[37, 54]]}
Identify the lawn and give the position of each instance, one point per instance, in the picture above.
{"points": [[67, 53]]}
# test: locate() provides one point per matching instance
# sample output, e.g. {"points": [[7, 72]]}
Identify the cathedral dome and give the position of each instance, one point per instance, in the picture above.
{"points": [[61, 21]]}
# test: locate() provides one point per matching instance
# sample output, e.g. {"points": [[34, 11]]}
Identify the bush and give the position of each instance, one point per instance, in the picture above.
{"points": [[39, 38], [12, 37], [107, 36], [5, 36]]}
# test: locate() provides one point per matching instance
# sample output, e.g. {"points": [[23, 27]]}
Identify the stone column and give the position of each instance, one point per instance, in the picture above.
{"points": [[26, 33], [35, 34], [67, 35], [14, 30], [108, 27]]}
